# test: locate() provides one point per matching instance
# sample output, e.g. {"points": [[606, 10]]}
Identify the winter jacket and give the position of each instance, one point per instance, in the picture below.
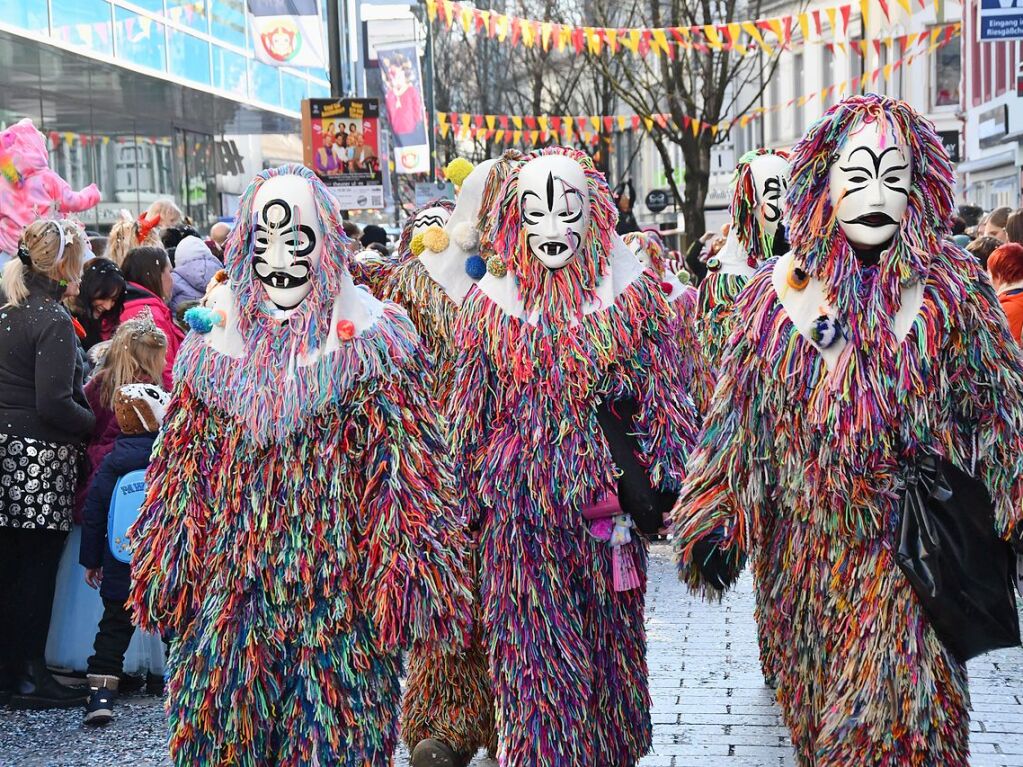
{"points": [[128, 454], [41, 368], [194, 267], [137, 298], [1012, 304]]}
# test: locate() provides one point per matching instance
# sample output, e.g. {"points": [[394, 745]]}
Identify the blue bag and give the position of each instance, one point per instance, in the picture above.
{"points": [[129, 494]]}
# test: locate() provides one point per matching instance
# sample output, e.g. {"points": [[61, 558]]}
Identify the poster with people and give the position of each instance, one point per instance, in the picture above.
{"points": [[403, 94], [341, 144]]}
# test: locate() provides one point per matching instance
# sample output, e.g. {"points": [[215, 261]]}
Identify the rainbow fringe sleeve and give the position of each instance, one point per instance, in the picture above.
{"points": [[168, 537], [414, 538]]}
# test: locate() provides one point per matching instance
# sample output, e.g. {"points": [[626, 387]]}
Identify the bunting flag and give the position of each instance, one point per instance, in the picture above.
{"points": [[828, 26], [537, 129]]}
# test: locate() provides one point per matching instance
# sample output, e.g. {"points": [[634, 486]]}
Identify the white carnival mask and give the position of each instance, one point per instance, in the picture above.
{"points": [[636, 246], [287, 239], [870, 183], [424, 219], [771, 181], [555, 208]]}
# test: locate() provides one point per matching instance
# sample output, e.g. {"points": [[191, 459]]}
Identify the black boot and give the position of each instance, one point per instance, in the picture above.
{"points": [[434, 753], [35, 688]]}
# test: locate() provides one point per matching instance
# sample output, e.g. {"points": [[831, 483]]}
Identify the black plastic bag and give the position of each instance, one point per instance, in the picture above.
{"points": [[961, 570], [646, 505]]}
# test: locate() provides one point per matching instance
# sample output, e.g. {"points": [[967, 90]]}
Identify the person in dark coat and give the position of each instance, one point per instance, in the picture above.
{"points": [[44, 420], [625, 198], [139, 409], [99, 302]]}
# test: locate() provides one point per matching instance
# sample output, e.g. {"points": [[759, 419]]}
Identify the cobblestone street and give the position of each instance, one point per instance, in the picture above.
{"points": [[711, 708]]}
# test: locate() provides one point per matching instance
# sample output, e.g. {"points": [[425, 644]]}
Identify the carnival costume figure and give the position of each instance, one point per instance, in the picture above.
{"points": [[759, 185], [299, 532], [564, 322], [874, 342]]}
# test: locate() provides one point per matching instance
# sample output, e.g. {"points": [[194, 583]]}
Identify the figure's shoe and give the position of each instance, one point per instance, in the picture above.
{"points": [[154, 684], [434, 753], [36, 689], [99, 711]]}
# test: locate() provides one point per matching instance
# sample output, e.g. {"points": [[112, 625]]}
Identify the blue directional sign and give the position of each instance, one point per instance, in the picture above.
{"points": [[1000, 20]]}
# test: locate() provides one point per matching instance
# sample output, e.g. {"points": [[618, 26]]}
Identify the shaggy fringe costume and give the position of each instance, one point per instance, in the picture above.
{"points": [[719, 290], [799, 464], [298, 534], [567, 651], [683, 326]]}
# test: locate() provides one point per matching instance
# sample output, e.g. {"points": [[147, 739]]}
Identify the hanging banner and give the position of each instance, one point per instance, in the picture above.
{"points": [[403, 94], [341, 144], [1000, 20], [287, 33]]}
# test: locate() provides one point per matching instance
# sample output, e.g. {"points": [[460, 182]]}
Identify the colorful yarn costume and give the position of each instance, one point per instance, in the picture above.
{"points": [[800, 459], [435, 213], [537, 349], [682, 299], [448, 696], [749, 244], [299, 531]]}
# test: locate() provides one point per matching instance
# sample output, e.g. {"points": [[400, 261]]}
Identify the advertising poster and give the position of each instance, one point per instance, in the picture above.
{"points": [[341, 144], [287, 33], [403, 93]]}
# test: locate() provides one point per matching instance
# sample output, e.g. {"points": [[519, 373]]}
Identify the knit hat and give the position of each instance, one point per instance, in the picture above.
{"points": [[373, 233], [140, 408]]}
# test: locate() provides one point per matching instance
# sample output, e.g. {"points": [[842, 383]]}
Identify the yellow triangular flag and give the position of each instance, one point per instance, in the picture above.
{"points": [[622, 121], [751, 29], [431, 10], [804, 25], [887, 71], [711, 33], [865, 12], [498, 136], [542, 122], [501, 27], [904, 5], [517, 122], [491, 121], [831, 21], [517, 136], [467, 20], [528, 33], [695, 125], [660, 41], [545, 35], [612, 39], [592, 40]]}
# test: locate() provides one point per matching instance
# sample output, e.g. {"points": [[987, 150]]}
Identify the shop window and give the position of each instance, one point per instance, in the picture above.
{"points": [[227, 21], [946, 71], [189, 56], [294, 89], [230, 71], [141, 40], [85, 23], [189, 13], [156, 6], [266, 83]]}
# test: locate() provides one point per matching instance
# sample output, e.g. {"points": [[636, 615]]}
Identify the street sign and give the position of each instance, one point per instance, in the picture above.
{"points": [[1000, 20], [428, 191], [657, 200], [950, 140]]}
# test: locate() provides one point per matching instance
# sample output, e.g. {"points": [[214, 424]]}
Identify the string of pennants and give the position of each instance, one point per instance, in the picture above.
{"points": [[539, 129], [135, 29], [823, 25]]}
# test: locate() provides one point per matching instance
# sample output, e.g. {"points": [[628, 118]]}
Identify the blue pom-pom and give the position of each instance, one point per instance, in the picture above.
{"points": [[200, 319], [826, 331], [475, 267]]}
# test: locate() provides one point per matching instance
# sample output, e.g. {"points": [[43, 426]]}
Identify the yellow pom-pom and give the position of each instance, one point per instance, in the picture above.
{"points": [[416, 245], [435, 239], [457, 170]]}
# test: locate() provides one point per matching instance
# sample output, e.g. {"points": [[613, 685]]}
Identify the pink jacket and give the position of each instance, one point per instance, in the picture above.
{"points": [[137, 298]]}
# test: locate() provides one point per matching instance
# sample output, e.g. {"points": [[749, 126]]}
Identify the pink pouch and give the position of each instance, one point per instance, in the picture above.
{"points": [[605, 508]]}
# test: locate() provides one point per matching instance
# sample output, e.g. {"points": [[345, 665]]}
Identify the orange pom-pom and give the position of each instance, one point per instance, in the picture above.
{"points": [[346, 330]]}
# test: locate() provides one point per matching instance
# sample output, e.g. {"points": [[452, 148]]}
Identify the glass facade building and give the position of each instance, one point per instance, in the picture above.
{"points": [[146, 97]]}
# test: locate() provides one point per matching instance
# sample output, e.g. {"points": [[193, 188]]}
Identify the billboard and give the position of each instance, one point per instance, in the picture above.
{"points": [[287, 32], [1000, 20], [341, 144], [403, 93]]}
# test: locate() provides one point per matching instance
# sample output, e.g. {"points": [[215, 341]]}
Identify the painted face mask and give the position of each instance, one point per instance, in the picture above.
{"points": [[870, 183], [771, 179], [286, 239], [430, 217], [555, 208]]}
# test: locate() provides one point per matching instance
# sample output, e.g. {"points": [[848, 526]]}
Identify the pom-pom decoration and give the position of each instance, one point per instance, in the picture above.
{"points": [[496, 266], [797, 279], [666, 288], [346, 330], [683, 276], [465, 236], [416, 246], [475, 267], [713, 264], [203, 320], [457, 170], [436, 239], [825, 331]]}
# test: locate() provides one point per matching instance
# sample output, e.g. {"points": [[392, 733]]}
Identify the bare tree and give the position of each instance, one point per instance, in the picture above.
{"points": [[707, 84]]}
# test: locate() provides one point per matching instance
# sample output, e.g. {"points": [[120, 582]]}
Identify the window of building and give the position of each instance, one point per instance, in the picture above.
{"points": [[189, 56], [189, 13], [81, 22], [266, 83], [31, 16], [140, 40], [774, 104], [227, 21], [828, 77], [294, 90], [946, 72], [230, 72], [798, 88]]}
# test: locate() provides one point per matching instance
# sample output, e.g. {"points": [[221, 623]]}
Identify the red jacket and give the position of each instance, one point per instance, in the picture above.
{"points": [[137, 298], [1012, 304]]}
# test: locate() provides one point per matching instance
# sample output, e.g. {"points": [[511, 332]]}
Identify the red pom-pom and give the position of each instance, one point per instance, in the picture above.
{"points": [[751, 262], [346, 330], [666, 288]]}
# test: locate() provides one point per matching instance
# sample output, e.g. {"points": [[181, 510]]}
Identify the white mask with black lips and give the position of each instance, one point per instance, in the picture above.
{"points": [[429, 217], [286, 239], [870, 183], [555, 208], [771, 181]]}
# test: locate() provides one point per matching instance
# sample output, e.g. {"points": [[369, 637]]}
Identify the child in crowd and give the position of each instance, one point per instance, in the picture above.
{"points": [[139, 409]]}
